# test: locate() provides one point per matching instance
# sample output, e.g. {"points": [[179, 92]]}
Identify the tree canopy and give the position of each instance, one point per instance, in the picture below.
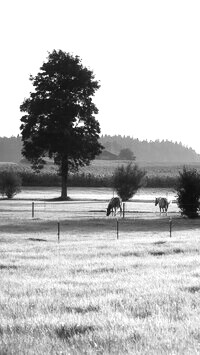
{"points": [[126, 154], [60, 118]]}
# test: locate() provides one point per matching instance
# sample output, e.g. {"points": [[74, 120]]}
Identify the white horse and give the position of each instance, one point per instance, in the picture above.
{"points": [[113, 206], [163, 203]]}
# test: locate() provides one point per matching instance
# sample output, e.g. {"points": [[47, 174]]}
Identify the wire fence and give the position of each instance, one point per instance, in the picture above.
{"points": [[55, 210], [58, 220]]}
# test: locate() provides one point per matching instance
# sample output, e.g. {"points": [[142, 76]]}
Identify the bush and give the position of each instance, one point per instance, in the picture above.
{"points": [[10, 183], [188, 192], [127, 180]]}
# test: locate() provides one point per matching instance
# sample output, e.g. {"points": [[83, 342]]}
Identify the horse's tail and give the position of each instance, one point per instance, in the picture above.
{"points": [[162, 202]]}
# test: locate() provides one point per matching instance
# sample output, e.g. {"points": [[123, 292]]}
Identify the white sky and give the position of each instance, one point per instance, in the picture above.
{"points": [[145, 53]]}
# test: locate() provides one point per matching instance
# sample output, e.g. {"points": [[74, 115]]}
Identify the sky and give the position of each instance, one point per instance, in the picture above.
{"points": [[145, 53]]}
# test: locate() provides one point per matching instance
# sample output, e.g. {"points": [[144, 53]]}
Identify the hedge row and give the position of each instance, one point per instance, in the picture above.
{"points": [[89, 180], [30, 178]]}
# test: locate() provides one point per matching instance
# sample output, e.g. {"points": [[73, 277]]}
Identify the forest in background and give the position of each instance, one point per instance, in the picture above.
{"points": [[144, 151], [151, 151]]}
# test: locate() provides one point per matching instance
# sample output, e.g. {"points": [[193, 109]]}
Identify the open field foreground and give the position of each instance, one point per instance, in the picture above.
{"points": [[92, 293]]}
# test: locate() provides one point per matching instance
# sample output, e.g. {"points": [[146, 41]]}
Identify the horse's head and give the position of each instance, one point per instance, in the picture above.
{"points": [[156, 201], [108, 211]]}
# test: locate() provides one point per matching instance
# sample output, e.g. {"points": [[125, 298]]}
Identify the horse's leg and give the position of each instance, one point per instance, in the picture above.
{"points": [[119, 211]]}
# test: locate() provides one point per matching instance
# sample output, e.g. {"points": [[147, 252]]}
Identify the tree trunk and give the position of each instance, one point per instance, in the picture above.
{"points": [[64, 175], [64, 187]]}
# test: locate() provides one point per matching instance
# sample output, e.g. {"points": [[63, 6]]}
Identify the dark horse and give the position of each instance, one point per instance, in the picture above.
{"points": [[163, 203], [113, 206]]}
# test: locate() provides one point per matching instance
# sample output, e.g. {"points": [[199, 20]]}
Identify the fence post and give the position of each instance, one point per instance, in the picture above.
{"points": [[32, 209], [170, 227], [123, 209], [58, 232], [117, 228]]}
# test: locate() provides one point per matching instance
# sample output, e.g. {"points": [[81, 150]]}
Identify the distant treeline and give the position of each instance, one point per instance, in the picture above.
{"points": [[153, 151]]}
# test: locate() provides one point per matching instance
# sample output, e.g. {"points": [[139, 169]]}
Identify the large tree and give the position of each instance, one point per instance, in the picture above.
{"points": [[60, 116]]}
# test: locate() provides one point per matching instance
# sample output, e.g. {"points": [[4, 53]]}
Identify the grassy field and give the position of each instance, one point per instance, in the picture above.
{"points": [[93, 293]]}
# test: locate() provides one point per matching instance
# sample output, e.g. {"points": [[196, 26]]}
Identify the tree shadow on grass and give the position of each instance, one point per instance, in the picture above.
{"points": [[193, 289], [37, 239], [66, 332], [7, 267], [82, 310]]}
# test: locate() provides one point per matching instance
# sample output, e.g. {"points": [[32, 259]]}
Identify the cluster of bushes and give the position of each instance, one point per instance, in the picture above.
{"points": [[89, 180], [52, 179], [29, 178]]}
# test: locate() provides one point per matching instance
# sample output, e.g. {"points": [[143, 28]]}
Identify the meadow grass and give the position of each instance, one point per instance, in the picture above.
{"points": [[94, 294]]}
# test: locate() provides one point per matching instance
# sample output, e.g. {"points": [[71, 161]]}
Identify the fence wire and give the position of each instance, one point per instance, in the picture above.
{"points": [[23, 209]]}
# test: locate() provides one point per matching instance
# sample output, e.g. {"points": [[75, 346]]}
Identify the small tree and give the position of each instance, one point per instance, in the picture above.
{"points": [[10, 184], [127, 180], [126, 154], [188, 192]]}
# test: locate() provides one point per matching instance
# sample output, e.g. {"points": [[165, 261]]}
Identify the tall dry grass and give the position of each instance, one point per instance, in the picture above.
{"points": [[93, 294]]}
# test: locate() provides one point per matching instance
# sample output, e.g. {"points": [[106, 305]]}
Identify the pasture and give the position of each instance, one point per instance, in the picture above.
{"points": [[92, 293]]}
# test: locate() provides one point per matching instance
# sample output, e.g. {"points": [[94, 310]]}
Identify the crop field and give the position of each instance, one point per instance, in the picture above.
{"points": [[98, 174], [91, 293], [107, 167]]}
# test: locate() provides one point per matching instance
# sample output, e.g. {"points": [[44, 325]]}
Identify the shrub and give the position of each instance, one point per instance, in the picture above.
{"points": [[188, 192], [10, 183], [127, 180]]}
